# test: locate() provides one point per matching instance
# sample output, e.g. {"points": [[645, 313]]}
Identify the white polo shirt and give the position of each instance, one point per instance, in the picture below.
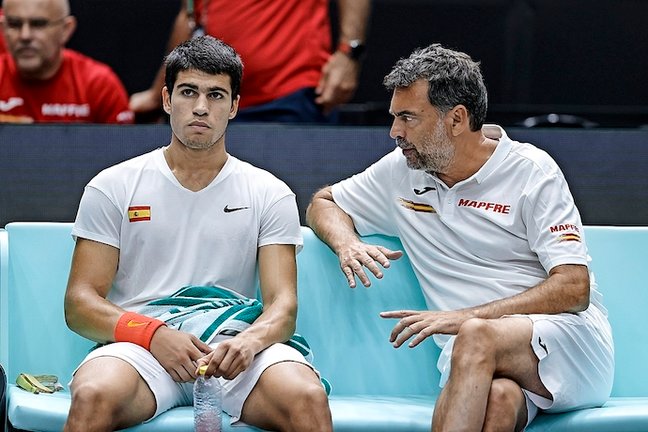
{"points": [[491, 236]]}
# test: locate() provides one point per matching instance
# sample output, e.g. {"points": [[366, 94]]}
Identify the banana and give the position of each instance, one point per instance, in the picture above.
{"points": [[49, 381], [31, 384]]}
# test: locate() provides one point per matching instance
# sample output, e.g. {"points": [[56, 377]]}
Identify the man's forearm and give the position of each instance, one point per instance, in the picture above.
{"points": [[354, 18], [276, 324], [565, 290], [329, 221]]}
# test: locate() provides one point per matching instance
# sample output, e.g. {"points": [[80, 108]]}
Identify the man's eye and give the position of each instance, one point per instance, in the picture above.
{"points": [[38, 23], [187, 92], [14, 24], [215, 95]]}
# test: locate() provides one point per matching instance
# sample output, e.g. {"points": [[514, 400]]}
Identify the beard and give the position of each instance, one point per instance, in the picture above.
{"points": [[437, 153], [198, 144]]}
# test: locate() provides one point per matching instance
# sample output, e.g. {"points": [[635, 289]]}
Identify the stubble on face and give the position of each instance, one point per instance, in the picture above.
{"points": [[436, 152], [203, 143]]}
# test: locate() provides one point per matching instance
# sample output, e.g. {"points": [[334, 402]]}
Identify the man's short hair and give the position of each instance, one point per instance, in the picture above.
{"points": [[206, 54], [453, 79]]}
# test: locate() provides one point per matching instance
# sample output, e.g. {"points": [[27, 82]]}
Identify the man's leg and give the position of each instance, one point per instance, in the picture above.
{"points": [[288, 397], [506, 409], [484, 350], [108, 394]]}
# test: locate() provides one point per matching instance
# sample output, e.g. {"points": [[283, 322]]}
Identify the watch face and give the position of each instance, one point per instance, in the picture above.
{"points": [[357, 49]]}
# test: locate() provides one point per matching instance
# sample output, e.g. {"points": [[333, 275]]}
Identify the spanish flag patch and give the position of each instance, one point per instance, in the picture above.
{"points": [[418, 207], [569, 237], [139, 213]]}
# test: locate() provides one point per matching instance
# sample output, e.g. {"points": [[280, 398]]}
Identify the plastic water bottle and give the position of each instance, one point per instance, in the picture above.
{"points": [[207, 396]]}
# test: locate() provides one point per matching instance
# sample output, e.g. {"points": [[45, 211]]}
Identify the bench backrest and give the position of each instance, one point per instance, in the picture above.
{"points": [[36, 337], [620, 266], [349, 339]]}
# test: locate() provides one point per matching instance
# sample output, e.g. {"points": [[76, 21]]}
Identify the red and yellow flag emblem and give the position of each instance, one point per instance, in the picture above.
{"points": [[569, 237], [139, 213], [418, 207]]}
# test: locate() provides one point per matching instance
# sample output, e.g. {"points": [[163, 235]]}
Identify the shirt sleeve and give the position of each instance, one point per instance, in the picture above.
{"points": [[280, 223], [368, 199], [98, 218], [554, 227], [111, 99]]}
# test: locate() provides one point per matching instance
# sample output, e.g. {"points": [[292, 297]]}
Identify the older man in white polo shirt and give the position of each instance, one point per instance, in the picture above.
{"points": [[497, 244]]}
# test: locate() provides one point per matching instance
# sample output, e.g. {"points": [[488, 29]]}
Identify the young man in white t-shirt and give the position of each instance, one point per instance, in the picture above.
{"points": [[496, 242], [188, 214]]}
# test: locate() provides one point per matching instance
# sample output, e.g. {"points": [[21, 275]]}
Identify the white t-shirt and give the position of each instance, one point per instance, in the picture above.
{"points": [[491, 236], [170, 237]]}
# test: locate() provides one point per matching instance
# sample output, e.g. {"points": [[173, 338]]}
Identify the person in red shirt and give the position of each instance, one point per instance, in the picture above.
{"points": [[42, 81], [3, 46], [292, 73]]}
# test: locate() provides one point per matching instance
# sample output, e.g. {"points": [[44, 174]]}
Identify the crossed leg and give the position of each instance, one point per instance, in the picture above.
{"points": [[492, 360]]}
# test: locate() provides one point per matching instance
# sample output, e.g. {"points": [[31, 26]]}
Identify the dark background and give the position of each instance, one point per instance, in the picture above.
{"points": [[43, 168], [573, 57]]}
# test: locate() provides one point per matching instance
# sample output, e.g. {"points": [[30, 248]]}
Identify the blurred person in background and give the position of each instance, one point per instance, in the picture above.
{"points": [[3, 46], [292, 74], [42, 81]]}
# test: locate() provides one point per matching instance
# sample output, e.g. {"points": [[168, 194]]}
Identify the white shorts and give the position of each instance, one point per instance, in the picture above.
{"points": [[169, 393], [576, 360]]}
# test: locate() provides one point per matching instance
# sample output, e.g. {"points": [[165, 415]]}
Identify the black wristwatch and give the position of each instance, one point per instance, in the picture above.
{"points": [[355, 49]]}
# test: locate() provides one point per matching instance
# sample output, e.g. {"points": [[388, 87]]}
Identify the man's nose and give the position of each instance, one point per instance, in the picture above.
{"points": [[26, 30], [201, 106], [396, 131]]}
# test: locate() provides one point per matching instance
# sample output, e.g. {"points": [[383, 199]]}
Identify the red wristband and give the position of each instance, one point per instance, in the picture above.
{"points": [[136, 328]]}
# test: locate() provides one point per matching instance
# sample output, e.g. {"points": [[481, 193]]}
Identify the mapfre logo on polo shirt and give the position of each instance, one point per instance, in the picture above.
{"points": [[566, 232], [485, 206], [65, 110]]}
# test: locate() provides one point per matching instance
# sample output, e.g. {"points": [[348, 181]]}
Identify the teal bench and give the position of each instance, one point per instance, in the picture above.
{"points": [[375, 387]]}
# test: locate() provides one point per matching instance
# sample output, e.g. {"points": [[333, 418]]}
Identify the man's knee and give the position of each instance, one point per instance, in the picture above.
{"points": [[89, 401], [311, 403], [506, 407], [474, 344], [289, 397]]}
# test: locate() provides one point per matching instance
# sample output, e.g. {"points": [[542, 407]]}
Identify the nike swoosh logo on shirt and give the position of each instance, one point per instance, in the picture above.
{"points": [[228, 209]]}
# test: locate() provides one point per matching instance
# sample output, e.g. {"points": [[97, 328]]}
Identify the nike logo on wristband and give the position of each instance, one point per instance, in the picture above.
{"points": [[133, 323]]}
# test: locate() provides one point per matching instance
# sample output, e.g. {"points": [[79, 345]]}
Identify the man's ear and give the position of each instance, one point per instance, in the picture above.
{"points": [[166, 100], [460, 120], [234, 107], [69, 26]]}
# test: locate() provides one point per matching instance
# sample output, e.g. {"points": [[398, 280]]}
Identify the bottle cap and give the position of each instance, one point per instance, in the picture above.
{"points": [[202, 370]]}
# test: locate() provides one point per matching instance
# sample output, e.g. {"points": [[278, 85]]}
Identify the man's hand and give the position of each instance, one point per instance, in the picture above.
{"points": [[423, 324], [338, 82], [356, 256], [230, 358], [178, 352], [145, 101]]}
